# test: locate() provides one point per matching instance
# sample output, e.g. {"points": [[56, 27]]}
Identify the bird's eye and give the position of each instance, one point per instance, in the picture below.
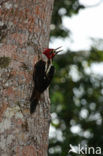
{"points": [[51, 52]]}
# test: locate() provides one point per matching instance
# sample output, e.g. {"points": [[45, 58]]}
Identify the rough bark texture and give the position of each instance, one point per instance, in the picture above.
{"points": [[24, 32]]}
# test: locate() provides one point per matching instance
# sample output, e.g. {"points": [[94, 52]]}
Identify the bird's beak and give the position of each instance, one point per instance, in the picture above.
{"points": [[57, 50]]}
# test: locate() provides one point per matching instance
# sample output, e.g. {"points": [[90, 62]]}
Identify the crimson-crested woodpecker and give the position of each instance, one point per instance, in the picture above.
{"points": [[42, 76]]}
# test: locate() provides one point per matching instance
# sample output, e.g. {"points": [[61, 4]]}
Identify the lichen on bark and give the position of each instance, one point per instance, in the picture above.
{"points": [[27, 34]]}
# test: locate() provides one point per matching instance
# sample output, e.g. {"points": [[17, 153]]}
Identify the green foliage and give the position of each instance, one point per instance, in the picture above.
{"points": [[63, 8], [77, 100], [76, 92]]}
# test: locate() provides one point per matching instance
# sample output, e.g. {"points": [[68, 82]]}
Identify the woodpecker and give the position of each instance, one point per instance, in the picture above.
{"points": [[42, 76]]}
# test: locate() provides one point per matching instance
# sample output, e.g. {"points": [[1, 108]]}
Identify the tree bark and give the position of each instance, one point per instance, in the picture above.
{"points": [[24, 33]]}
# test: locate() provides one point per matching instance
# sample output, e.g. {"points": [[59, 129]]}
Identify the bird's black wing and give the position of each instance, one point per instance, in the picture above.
{"points": [[41, 79], [41, 82]]}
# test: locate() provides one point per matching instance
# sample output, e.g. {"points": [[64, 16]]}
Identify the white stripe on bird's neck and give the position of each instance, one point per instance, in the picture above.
{"points": [[48, 63]]}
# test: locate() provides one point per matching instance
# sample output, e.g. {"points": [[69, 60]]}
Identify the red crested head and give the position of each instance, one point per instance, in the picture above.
{"points": [[50, 53]]}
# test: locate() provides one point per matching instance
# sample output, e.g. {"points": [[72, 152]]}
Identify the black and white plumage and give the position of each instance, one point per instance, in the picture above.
{"points": [[42, 78]]}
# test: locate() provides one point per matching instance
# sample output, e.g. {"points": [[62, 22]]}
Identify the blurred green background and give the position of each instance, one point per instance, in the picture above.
{"points": [[76, 92]]}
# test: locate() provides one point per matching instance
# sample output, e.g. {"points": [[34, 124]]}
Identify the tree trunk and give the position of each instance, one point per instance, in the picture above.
{"points": [[24, 33]]}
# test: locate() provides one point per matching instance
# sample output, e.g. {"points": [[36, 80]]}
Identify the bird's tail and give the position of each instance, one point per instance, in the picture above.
{"points": [[34, 101], [33, 105]]}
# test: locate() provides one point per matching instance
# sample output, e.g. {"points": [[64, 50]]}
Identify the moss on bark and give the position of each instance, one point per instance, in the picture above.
{"points": [[4, 61]]}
